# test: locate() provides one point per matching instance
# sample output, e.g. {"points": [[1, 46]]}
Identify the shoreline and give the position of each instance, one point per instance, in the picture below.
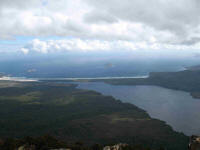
{"points": [[17, 79], [24, 79]]}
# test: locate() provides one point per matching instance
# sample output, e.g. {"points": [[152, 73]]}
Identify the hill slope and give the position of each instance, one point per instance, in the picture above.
{"points": [[71, 114]]}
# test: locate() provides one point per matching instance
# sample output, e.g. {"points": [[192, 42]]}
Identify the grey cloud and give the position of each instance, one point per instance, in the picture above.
{"points": [[164, 21], [19, 4], [177, 17], [75, 28], [99, 17], [191, 41]]}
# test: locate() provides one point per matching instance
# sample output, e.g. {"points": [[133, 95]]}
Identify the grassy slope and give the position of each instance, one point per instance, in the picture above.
{"points": [[73, 114]]}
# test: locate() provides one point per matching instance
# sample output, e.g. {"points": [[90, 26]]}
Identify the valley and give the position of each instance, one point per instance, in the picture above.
{"points": [[71, 114]]}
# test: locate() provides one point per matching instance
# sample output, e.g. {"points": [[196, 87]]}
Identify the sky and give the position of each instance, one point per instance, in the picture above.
{"points": [[62, 26]]}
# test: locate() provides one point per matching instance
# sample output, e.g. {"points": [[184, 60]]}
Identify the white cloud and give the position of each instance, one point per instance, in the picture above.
{"points": [[91, 24], [79, 45], [25, 50]]}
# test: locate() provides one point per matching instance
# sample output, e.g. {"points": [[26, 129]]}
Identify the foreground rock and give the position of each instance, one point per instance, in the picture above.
{"points": [[32, 147], [116, 147], [194, 143]]}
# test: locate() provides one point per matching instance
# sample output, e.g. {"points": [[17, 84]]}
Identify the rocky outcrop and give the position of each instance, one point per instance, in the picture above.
{"points": [[194, 143], [33, 147], [27, 147], [119, 146], [62, 149]]}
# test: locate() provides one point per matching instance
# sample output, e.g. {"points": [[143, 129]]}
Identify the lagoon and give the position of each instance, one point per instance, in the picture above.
{"points": [[177, 108]]}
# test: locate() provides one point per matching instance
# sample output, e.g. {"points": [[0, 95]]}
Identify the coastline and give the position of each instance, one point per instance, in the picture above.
{"points": [[24, 79], [17, 79]]}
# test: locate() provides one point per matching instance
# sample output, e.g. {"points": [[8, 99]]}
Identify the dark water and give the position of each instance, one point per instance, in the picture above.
{"points": [[177, 108], [76, 66]]}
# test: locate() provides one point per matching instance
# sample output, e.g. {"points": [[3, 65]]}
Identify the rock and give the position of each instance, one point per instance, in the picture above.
{"points": [[26, 147], [21, 148], [32, 147], [62, 149], [107, 148], [194, 143], [119, 146]]}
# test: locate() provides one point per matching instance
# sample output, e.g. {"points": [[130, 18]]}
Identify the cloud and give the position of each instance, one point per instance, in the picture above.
{"points": [[25, 50], [74, 45], [99, 17], [159, 14], [80, 45], [153, 24]]}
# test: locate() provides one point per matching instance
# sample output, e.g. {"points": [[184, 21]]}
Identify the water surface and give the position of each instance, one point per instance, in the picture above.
{"points": [[177, 108]]}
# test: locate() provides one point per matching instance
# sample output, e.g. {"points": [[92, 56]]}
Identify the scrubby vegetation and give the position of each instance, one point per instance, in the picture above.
{"points": [[71, 114], [48, 143]]}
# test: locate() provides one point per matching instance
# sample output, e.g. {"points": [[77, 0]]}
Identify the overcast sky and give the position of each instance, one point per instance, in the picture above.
{"points": [[47, 26]]}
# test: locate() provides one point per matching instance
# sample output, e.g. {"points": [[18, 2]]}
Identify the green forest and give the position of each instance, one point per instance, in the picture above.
{"points": [[70, 114]]}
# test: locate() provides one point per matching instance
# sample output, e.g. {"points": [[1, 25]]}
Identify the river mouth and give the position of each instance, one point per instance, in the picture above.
{"points": [[177, 108]]}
